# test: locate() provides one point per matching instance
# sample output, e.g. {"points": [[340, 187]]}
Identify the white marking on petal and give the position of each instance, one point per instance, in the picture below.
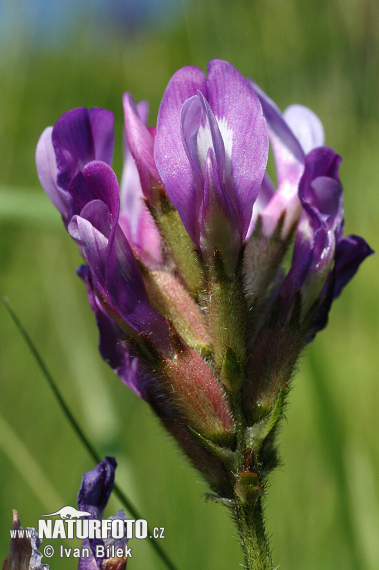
{"points": [[227, 137], [203, 143]]}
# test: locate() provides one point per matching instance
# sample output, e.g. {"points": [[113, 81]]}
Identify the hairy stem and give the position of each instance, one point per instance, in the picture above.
{"points": [[254, 541]]}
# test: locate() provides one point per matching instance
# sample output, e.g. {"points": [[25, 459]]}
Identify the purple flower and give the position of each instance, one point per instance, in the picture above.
{"points": [[77, 138], [292, 135], [86, 193], [319, 240], [116, 277], [211, 152], [95, 490]]}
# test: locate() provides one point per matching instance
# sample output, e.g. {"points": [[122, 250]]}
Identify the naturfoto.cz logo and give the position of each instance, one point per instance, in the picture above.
{"points": [[71, 524]]}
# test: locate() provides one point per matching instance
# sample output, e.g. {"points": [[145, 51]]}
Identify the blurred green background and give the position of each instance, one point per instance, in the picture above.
{"points": [[323, 504]]}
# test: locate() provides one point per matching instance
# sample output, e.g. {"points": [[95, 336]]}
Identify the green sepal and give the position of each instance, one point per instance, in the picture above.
{"points": [[225, 454], [227, 317], [211, 497], [231, 373], [262, 260], [258, 433], [204, 350], [178, 242]]}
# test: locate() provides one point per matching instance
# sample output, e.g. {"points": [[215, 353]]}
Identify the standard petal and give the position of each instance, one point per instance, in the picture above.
{"points": [[170, 156], [306, 126], [74, 141], [289, 162], [96, 488], [244, 133], [102, 122]]}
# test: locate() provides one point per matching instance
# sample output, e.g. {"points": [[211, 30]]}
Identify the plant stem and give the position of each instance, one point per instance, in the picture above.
{"points": [[254, 541]]}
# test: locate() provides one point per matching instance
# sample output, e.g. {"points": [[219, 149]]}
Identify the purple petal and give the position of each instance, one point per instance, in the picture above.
{"points": [[322, 161], [113, 346], [80, 136], [128, 294], [288, 154], [218, 220], [24, 552], [47, 173], [289, 162], [350, 253], [87, 562], [244, 132], [35, 562], [206, 153], [141, 144], [170, 156], [96, 182], [102, 133], [96, 488], [115, 273], [312, 259], [135, 219], [265, 194], [117, 542], [94, 246], [320, 189], [306, 126]]}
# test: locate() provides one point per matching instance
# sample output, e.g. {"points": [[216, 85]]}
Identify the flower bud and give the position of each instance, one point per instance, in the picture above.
{"points": [[194, 391], [248, 488]]}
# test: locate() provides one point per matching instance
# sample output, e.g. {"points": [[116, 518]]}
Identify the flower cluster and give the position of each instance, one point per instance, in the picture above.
{"points": [[185, 267]]}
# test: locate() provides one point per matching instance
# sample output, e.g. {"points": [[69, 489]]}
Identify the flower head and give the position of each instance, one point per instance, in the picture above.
{"points": [[186, 272]]}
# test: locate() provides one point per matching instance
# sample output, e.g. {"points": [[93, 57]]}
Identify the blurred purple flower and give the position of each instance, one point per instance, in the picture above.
{"points": [[95, 490]]}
